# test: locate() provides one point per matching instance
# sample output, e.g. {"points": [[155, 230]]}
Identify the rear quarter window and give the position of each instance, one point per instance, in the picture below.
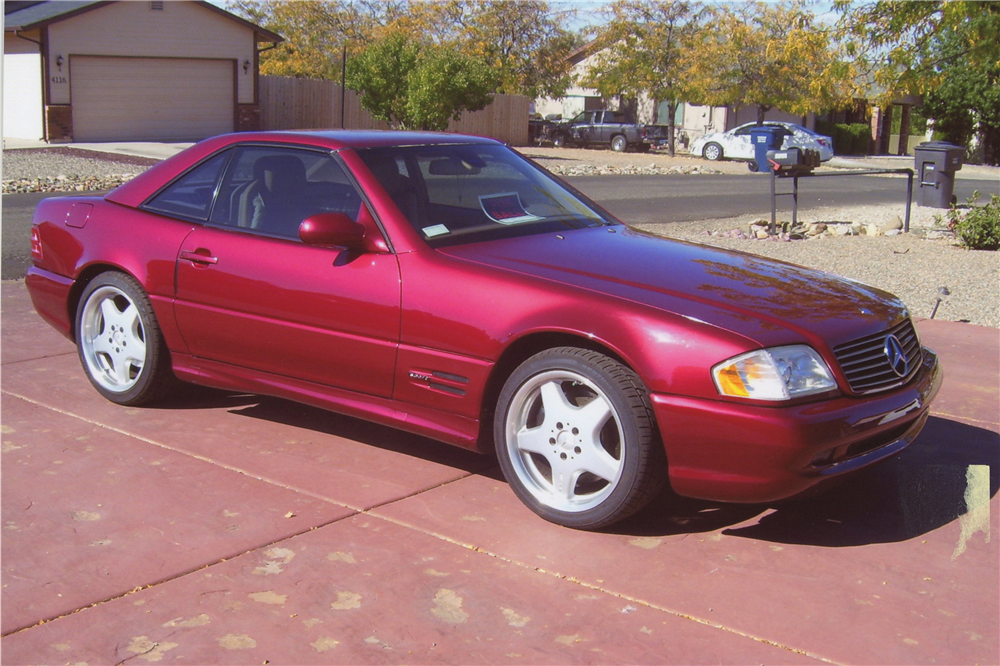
{"points": [[191, 195]]}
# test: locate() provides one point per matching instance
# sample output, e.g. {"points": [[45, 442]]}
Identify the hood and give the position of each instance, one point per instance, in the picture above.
{"points": [[770, 302]]}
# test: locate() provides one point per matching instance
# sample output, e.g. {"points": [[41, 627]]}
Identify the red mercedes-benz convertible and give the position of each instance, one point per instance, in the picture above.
{"points": [[444, 285]]}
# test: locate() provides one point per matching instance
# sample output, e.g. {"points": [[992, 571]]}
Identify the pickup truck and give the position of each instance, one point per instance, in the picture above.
{"points": [[603, 127]]}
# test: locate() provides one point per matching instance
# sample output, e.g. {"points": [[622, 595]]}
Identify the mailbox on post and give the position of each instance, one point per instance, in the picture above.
{"points": [[793, 161]]}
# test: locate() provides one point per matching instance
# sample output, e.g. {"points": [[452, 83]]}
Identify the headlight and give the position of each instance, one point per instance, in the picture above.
{"points": [[780, 373]]}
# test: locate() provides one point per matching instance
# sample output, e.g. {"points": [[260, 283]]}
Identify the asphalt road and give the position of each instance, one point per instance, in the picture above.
{"points": [[638, 199], [643, 199]]}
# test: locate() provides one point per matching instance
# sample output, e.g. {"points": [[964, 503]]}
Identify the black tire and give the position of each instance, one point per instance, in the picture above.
{"points": [[619, 143], [114, 312], [612, 461], [643, 147], [559, 140], [712, 152], [753, 166]]}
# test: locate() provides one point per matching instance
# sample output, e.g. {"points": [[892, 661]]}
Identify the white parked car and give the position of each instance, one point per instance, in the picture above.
{"points": [[735, 144]]}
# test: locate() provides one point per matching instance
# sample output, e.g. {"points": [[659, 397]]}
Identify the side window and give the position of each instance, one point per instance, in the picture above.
{"points": [[190, 196], [270, 190]]}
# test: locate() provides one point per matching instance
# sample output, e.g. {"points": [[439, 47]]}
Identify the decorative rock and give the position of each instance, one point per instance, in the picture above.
{"points": [[841, 229], [65, 184], [894, 223], [893, 232], [627, 170], [815, 229], [873, 230]]}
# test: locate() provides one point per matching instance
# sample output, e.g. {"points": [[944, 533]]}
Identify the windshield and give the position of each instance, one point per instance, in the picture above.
{"points": [[454, 194]]}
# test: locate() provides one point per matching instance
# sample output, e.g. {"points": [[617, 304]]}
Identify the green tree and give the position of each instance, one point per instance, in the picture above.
{"points": [[316, 32], [418, 86], [642, 48], [768, 56], [949, 51]]}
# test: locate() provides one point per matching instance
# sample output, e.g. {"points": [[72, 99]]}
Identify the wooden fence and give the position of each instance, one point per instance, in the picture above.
{"points": [[290, 103]]}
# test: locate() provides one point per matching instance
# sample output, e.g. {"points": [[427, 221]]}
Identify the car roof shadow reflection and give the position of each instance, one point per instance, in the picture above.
{"points": [[931, 484]]}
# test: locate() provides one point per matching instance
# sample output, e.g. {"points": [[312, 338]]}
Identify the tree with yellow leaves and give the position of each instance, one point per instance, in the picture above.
{"points": [[316, 33], [521, 41], [767, 56], [641, 53]]}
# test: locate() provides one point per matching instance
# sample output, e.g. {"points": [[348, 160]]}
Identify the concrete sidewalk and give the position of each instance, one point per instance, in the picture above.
{"points": [[232, 529], [154, 149]]}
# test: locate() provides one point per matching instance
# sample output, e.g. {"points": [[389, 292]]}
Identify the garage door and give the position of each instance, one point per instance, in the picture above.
{"points": [[150, 99]]}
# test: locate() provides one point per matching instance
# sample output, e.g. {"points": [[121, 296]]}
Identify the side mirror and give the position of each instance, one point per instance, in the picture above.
{"points": [[333, 229]]}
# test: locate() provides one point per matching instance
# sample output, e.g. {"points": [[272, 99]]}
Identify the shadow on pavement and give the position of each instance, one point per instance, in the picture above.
{"points": [[298, 415], [925, 488]]}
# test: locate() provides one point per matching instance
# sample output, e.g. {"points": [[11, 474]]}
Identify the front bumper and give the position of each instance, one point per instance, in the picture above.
{"points": [[748, 453]]}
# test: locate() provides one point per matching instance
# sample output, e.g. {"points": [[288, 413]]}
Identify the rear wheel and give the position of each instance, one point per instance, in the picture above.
{"points": [[712, 152], [559, 140], [576, 438], [619, 144], [119, 341]]}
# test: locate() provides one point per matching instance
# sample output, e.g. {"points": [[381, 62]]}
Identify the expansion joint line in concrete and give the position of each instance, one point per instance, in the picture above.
{"points": [[39, 358], [311, 528], [203, 567], [955, 417], [597, 588], [371, 511], [190, 454]]}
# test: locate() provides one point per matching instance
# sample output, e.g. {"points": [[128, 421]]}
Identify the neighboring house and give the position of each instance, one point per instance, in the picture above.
{"points": [[691, 120], [136, 71]]}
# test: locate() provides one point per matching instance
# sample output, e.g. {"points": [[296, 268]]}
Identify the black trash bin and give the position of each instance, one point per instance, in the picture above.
{"points": [[936, 163], [765, 138]]}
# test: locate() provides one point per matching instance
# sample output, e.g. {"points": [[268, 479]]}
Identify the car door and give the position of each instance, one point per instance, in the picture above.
{"points": [[739, 145], [251, 294]]}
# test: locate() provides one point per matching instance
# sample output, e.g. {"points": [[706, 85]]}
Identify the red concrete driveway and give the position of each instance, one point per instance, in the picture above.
{"points": [[229, 528]]}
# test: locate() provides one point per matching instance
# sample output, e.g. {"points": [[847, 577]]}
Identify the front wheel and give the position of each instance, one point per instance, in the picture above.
{"points": [[577, 440], [559, 140], [619, 144], [119, 341]]}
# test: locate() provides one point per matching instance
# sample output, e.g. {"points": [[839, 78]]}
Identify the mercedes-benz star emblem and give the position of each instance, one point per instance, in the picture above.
{"points": [[897, 359]]}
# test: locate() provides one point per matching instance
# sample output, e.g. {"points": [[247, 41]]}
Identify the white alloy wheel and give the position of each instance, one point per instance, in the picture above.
{"points": [[576, 438], [712, 152], [565, 441], [113, 340], [119, 341]]}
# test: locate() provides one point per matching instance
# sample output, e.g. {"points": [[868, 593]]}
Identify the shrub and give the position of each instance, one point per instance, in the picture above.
{"points": [[849, 139], [978, 227]]}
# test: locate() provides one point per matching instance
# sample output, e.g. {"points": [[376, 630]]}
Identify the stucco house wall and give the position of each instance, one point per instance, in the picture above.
{"points": [[176, 70]]}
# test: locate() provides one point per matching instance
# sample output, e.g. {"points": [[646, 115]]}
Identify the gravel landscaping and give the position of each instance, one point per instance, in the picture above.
{"points": [[68, 170], [914, 266]]}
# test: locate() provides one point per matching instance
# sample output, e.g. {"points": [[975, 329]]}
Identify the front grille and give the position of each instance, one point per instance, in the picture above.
{"points": [[867, 366]]}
